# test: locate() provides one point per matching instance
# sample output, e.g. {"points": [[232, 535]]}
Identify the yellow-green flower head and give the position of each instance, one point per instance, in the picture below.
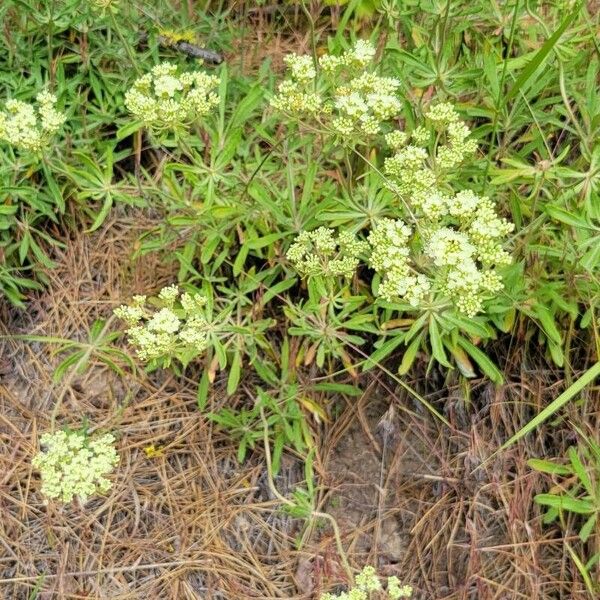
{"points": [[302, 68], [165, 99], [442, 114], [72, 464], [31, 127], [177, 329], [458, 240], [396, 590], [358, 57], [341, 92], [448, 247], [322, 253], [367, 580]]}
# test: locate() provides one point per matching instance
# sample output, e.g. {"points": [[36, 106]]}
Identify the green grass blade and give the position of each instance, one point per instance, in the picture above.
{"points": [[541, 54], [568, 394], [581, 568]]}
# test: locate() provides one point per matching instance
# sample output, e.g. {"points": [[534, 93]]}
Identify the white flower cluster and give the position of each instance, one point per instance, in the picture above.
{"points": [[74, 465], [321, 252], [30, 127], [177, 329], [459, 236], [165, 100], [413, 171], [364, 103], [366, 582], [390, 256], [357, 100], [359, 56]]}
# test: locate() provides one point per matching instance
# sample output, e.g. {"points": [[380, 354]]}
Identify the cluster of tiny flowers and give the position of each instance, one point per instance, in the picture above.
{"points": [[390, 256], [321, 252], [413, 172], [29, 127], [367, 582], [176, 329], [74, 465], [357, 100], [360, 56], [364, 103], [164, 99], [459, 238]]}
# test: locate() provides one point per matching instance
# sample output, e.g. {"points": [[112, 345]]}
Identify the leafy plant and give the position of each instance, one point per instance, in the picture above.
{"points": [[577, 496]]}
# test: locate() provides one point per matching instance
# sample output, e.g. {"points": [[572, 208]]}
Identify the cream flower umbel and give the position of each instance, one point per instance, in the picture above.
{"points": [[73, 464], [166, 100], [30, 127]]}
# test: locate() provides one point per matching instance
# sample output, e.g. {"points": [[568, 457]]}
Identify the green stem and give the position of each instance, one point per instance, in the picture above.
{"points": [[314, 514], [125, 44]]}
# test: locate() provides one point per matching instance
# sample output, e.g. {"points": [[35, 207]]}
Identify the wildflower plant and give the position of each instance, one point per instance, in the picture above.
{"points": [[174, 328], [166, 100], [30, 194], [340, 92], [73, 464], [437, 252], [327, 261], [368, 583], [455, 245], [30, 127], [320, 253]]}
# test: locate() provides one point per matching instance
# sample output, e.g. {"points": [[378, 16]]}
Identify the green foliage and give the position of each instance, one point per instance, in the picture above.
{"points": [[578, 496], [285, 424], [76, 357]]}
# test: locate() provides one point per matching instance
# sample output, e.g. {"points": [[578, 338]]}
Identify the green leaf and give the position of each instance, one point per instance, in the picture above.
{"points": [[338, 388], [240, 259], [267, 240], [582, 571], [545, 466], [106, 206], [564, 216], [63, 367], [241, 453], [277, 452], [54, 189], [409, 355], [462, 362], [485, 364], [580, 470], [278, 289], [548, 324], [582, 507], [203, 387], [383, 351], [541, 55], [128, 129], [588, 528], [234, 373], [437, 346]]}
